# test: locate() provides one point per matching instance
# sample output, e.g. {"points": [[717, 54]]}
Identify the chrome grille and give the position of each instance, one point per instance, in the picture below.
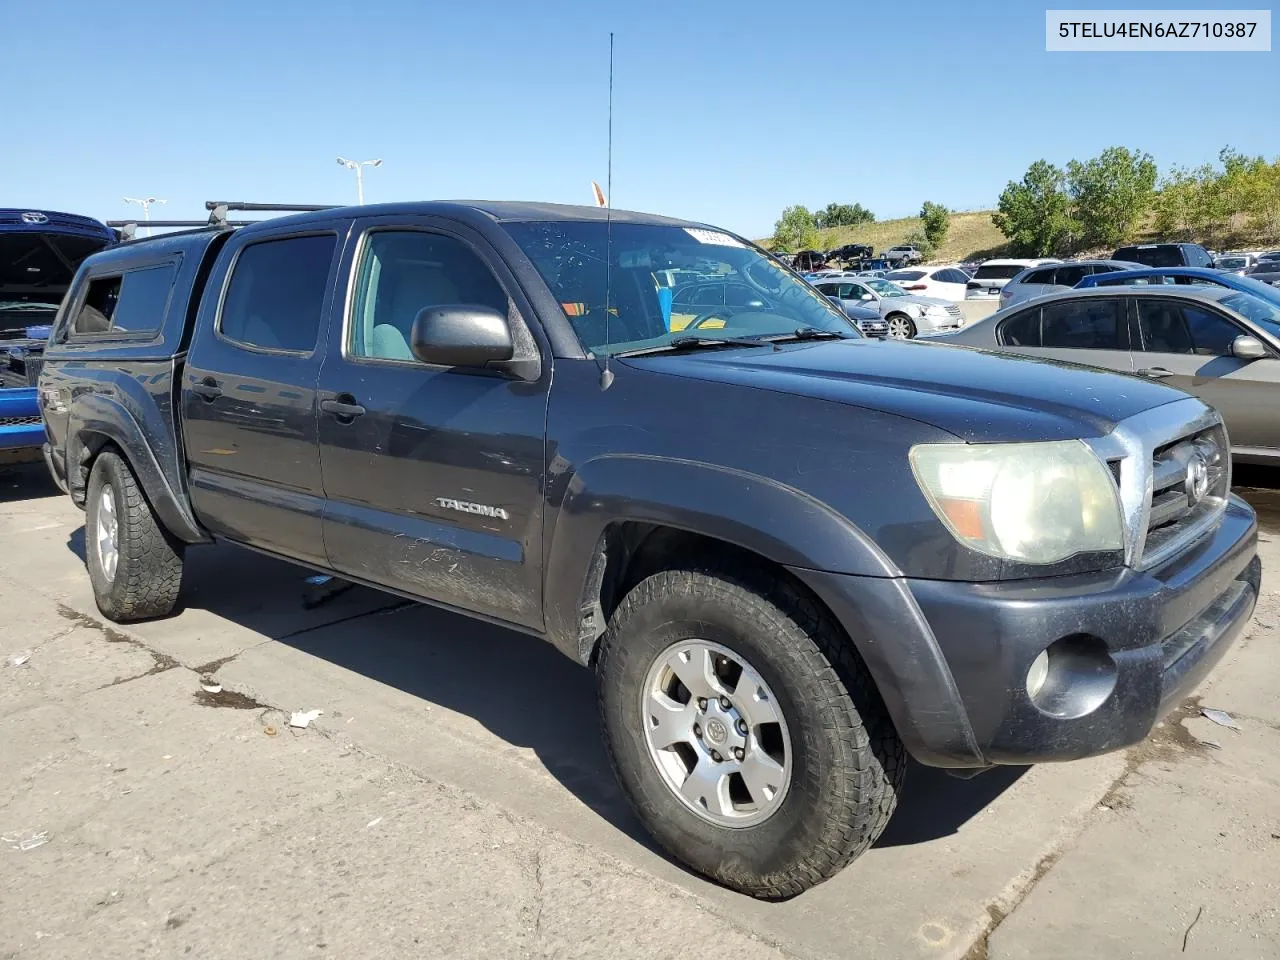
{"points": [[1179, 507], [954, 310], [1149, 454]]}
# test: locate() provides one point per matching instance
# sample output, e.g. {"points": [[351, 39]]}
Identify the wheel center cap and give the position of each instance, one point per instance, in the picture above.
{"points": [[716, 731]]}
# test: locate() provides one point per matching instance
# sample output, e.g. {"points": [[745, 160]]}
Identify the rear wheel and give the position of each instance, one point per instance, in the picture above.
{"points": [[901, 327], [746, 733], [135, 566]]}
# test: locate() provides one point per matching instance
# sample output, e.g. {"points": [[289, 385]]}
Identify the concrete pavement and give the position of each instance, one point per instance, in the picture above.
{"points": [[453, 798]]}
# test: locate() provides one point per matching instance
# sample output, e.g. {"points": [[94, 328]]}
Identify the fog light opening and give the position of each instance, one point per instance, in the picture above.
{"points": [[1072, 677], [1038, 674]]}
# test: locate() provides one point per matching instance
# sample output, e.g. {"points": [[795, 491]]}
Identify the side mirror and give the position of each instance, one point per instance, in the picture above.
{"points": [[864, 296], [461, 335], [1248, 348]]}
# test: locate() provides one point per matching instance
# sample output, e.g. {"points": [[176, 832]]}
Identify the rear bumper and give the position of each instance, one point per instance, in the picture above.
{"points": [[951, 659], [21, 426]]}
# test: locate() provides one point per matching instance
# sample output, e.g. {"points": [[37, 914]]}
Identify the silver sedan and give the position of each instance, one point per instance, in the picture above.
{"points": [[906, 315], [1220, 344]]}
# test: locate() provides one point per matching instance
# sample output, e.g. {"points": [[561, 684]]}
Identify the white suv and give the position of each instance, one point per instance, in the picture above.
{"points": [[991, 276]]}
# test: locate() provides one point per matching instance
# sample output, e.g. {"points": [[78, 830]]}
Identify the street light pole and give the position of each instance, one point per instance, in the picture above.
{"points": [[356, 165], [145, 203]]}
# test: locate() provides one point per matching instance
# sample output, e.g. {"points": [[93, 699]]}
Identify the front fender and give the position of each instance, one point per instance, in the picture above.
{"points": [[771, 519], [94, 419]]}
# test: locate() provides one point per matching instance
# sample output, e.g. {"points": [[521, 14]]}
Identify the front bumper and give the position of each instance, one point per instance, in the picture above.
{"points": [[951, 658], [21, 426]]}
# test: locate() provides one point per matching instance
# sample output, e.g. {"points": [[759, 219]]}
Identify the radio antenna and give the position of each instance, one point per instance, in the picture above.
{"points": [[606, 375]]}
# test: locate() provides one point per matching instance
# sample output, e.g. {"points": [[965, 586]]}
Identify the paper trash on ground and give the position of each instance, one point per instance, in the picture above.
{"points": [[300, 718]]}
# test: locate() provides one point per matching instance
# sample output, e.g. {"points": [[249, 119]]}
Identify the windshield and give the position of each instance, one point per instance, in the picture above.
{"points": [[1162, 255], [667, 282], [1231, 263], [998, 271], [904, 275], [884, 287], [1264, 314]]}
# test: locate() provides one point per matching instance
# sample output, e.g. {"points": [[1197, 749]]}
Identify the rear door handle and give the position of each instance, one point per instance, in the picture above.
{"points": [[1156, 373], [343, 406], [207, 388]]}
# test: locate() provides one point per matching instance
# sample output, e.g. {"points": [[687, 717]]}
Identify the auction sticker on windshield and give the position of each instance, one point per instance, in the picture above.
{"points": [[714, 237]]}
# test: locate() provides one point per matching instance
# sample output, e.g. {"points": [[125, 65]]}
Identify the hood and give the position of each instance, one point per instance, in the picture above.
{"points": [[975, 395], [40, 252]]}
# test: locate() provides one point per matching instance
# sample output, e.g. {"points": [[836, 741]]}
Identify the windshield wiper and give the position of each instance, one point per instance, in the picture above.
{"points": [[809, 333], [694, 343]]}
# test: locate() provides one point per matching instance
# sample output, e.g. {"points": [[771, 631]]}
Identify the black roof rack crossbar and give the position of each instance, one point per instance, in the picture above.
{"points": [[218, 210]]}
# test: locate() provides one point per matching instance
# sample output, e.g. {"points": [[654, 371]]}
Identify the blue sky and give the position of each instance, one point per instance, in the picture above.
{"points": [[723, 111]]}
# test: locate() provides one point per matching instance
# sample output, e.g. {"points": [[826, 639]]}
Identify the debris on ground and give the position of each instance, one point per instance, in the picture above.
{"points": [[19, 660], [1220, 717], [302, 718], [373, 823], [269, 730], [16, 841], [211, 687], [1208, 743]]}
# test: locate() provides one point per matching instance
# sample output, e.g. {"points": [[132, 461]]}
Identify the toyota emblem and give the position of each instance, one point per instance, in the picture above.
{"points": [[34, 218], [1197, 478]]}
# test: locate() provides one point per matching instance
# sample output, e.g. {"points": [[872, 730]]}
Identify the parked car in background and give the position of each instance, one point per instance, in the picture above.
{"points": [[1165, 255], [1265, 271], [946, 282], [1037, 281], [807, 260], [1237, 263], [851, 251], [868, 319], [1183, 276], [992, 275], [904, 253], [906, 314], [39, 252], [1269, 255], [1220, 344]]}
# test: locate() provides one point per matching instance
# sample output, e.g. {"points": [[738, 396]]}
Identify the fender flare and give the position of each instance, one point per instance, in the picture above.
{"points": [[96, 419], [761, 515]]}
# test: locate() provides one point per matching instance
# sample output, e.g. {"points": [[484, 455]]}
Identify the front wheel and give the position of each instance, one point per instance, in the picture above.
{"points": [[135, 566], [746, 733], [901, 327]]}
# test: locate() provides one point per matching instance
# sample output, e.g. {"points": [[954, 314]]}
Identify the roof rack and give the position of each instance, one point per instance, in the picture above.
{"points": [[218, 210]]}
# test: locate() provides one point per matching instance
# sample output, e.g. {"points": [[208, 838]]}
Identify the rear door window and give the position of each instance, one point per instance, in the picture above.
{"points": [[1022, 329], [133, 303], [1071, 275], [276, 293], [1039, 276], [1085, 324]]}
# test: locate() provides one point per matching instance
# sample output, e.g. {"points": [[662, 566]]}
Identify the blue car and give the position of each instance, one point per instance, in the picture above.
{"points": [[1183, 275], [40, 251]]}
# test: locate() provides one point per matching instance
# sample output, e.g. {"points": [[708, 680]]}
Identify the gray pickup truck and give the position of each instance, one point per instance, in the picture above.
{"points": [[791, 555]]}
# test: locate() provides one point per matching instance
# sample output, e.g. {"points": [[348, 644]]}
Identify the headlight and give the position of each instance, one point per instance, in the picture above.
{"points": [[1032, 502], [936, 311]]}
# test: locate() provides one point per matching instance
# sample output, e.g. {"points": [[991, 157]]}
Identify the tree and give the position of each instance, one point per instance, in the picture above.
{"points": [[795, 230], [1112, 193], [1035, 213], [843, 215], [937, 220]]}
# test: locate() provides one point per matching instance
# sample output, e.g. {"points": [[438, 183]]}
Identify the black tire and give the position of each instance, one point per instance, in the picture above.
{"points": [[911, 324], [148, 574], [847, 760]]}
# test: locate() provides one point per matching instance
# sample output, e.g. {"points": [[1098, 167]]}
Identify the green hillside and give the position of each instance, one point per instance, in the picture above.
{"points": [[972, 236]]}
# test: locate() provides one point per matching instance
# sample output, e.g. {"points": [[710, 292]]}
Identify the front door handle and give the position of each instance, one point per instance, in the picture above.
{"points": [[343, 406], [1155, 373], [207, 388]]}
